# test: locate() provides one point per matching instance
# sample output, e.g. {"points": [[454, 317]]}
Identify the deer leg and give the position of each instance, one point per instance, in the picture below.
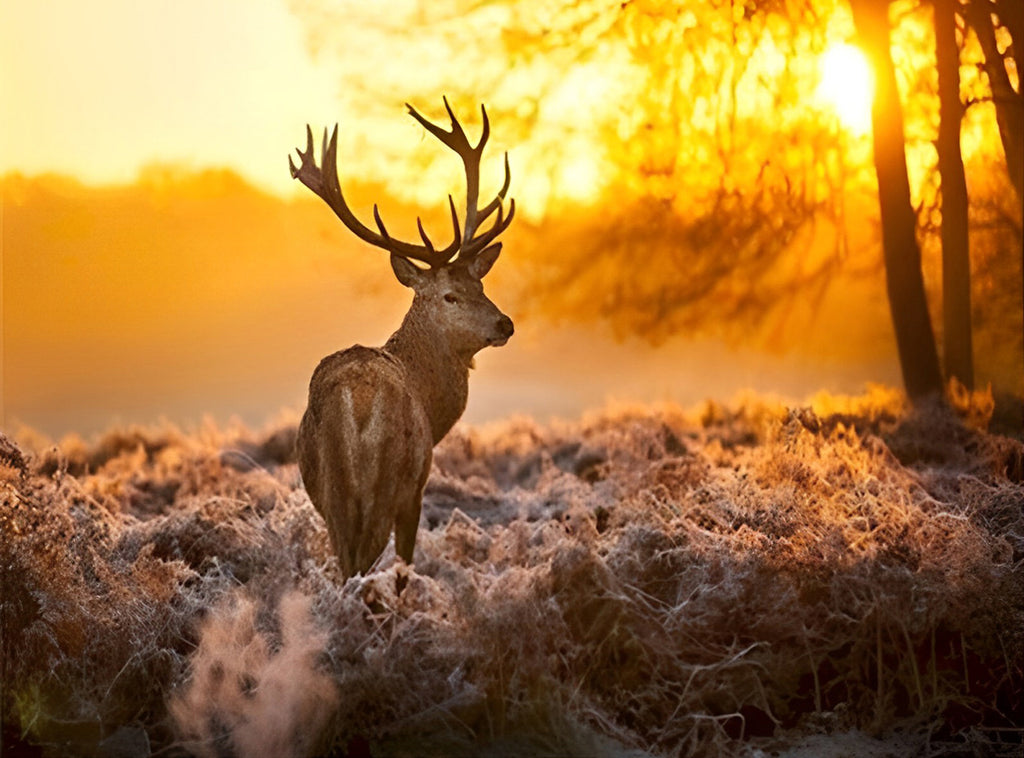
{"points": [[407, 515], [407, 522]]}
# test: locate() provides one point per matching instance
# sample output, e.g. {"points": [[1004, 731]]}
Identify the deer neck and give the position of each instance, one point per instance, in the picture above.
{"points": [[437, 373]]}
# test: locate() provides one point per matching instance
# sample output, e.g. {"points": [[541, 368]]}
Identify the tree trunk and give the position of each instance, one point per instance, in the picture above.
{"points": [[1009, 103], [956, 262], [908, 305]]}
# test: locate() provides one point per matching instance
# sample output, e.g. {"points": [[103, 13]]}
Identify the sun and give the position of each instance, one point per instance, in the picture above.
{"points": [[847, 86]]}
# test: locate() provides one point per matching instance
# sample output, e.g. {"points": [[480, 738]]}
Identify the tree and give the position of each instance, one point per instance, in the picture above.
{"points": [[1006, 16], [707, 163], [956, 260], [662, 106], [908, 304], [989, 20], [987, 17]]}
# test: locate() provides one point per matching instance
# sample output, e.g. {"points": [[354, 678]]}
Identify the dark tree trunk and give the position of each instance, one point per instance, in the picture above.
{"points": [[956, 261], [1011, 14], [1009, 102], [908, 305]]}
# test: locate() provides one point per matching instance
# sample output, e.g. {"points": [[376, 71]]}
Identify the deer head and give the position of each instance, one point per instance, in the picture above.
{"points": [[449, 292]]}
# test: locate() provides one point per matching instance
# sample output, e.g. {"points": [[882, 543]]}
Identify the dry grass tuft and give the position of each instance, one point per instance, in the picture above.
{"points": [[729, 581]]}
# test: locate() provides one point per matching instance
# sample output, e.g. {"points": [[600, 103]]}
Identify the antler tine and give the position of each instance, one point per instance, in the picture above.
{"points": [[473, 174], [423, 235], [380, 225], [458, 133], [457, 242], [329, 158], [485, 132], [456, 139], [446, 254], [497, 201], [477, 244], [309, 177]]}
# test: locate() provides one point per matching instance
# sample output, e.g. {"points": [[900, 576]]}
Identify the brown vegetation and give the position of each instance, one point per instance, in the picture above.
{"points": [[723, 582]]}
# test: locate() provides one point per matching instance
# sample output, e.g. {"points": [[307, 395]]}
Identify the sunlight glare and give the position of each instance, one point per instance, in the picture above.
{"points": [[578, 178], [847, 86]]}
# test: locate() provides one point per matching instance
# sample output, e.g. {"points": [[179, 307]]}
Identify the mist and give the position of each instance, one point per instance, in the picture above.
{"points": [[191, 294]]}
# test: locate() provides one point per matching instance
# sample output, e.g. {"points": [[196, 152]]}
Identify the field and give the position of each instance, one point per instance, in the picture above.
{"points": [[841, 579]]}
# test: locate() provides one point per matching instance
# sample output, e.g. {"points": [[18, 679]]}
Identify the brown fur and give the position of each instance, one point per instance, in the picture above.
{"points": [[374, 415], [366, 439], [364, 452]]}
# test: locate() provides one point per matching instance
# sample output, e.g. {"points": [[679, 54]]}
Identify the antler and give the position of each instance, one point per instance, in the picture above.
{"points": [[323, 180], [457, 140]]}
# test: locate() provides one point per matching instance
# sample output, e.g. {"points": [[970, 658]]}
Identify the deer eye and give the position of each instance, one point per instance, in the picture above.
{"points": [[450, 298]]}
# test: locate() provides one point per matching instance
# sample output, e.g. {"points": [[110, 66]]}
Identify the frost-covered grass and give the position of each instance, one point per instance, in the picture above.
{"points": [[743, 580]]}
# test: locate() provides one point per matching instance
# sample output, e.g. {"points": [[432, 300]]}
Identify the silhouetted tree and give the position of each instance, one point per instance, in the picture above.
{"points": [[711, 161], [701, 192], [956, 260], [907, 301], [985, 17]]}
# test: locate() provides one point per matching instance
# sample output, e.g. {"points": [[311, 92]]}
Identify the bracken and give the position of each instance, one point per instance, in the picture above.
{"points": [[727, 581]]}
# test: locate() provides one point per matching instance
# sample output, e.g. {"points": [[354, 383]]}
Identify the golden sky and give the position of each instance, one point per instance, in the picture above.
{"points": [[148, 279], [101, 88]]}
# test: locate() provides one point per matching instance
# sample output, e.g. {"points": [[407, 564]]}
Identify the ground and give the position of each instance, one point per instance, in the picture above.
{"points": [[843, 578]]}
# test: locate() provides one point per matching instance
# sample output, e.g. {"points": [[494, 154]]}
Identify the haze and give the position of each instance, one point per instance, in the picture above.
{"points": [[159, 262]]}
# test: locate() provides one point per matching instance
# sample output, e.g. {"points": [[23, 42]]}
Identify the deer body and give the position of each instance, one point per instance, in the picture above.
{"points": [[366, 440], [364, 449]]}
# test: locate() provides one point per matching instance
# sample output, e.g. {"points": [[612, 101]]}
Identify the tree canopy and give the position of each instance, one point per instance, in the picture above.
{"points": [[686, 167]]}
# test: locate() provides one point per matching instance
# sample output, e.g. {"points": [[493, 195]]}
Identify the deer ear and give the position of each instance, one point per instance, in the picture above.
{"points": [[406, 271], [483, 262]]}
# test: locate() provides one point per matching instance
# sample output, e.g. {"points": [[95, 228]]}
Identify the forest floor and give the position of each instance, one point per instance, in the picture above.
{"points": [[840, 579]]}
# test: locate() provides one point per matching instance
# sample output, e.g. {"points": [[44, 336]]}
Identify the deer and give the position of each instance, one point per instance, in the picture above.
{"points": [[374, 414]]}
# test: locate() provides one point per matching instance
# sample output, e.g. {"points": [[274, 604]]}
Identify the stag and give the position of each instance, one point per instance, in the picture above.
{"points": [[366, 440]]}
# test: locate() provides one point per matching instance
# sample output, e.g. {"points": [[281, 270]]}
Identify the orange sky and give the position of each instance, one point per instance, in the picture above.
{"points": [[117, 309], [102, 89], [99, 89], [115, 301]]}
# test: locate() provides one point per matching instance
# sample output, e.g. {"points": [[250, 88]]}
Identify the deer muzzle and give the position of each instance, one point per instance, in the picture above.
{"points": [[503, 330]]}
